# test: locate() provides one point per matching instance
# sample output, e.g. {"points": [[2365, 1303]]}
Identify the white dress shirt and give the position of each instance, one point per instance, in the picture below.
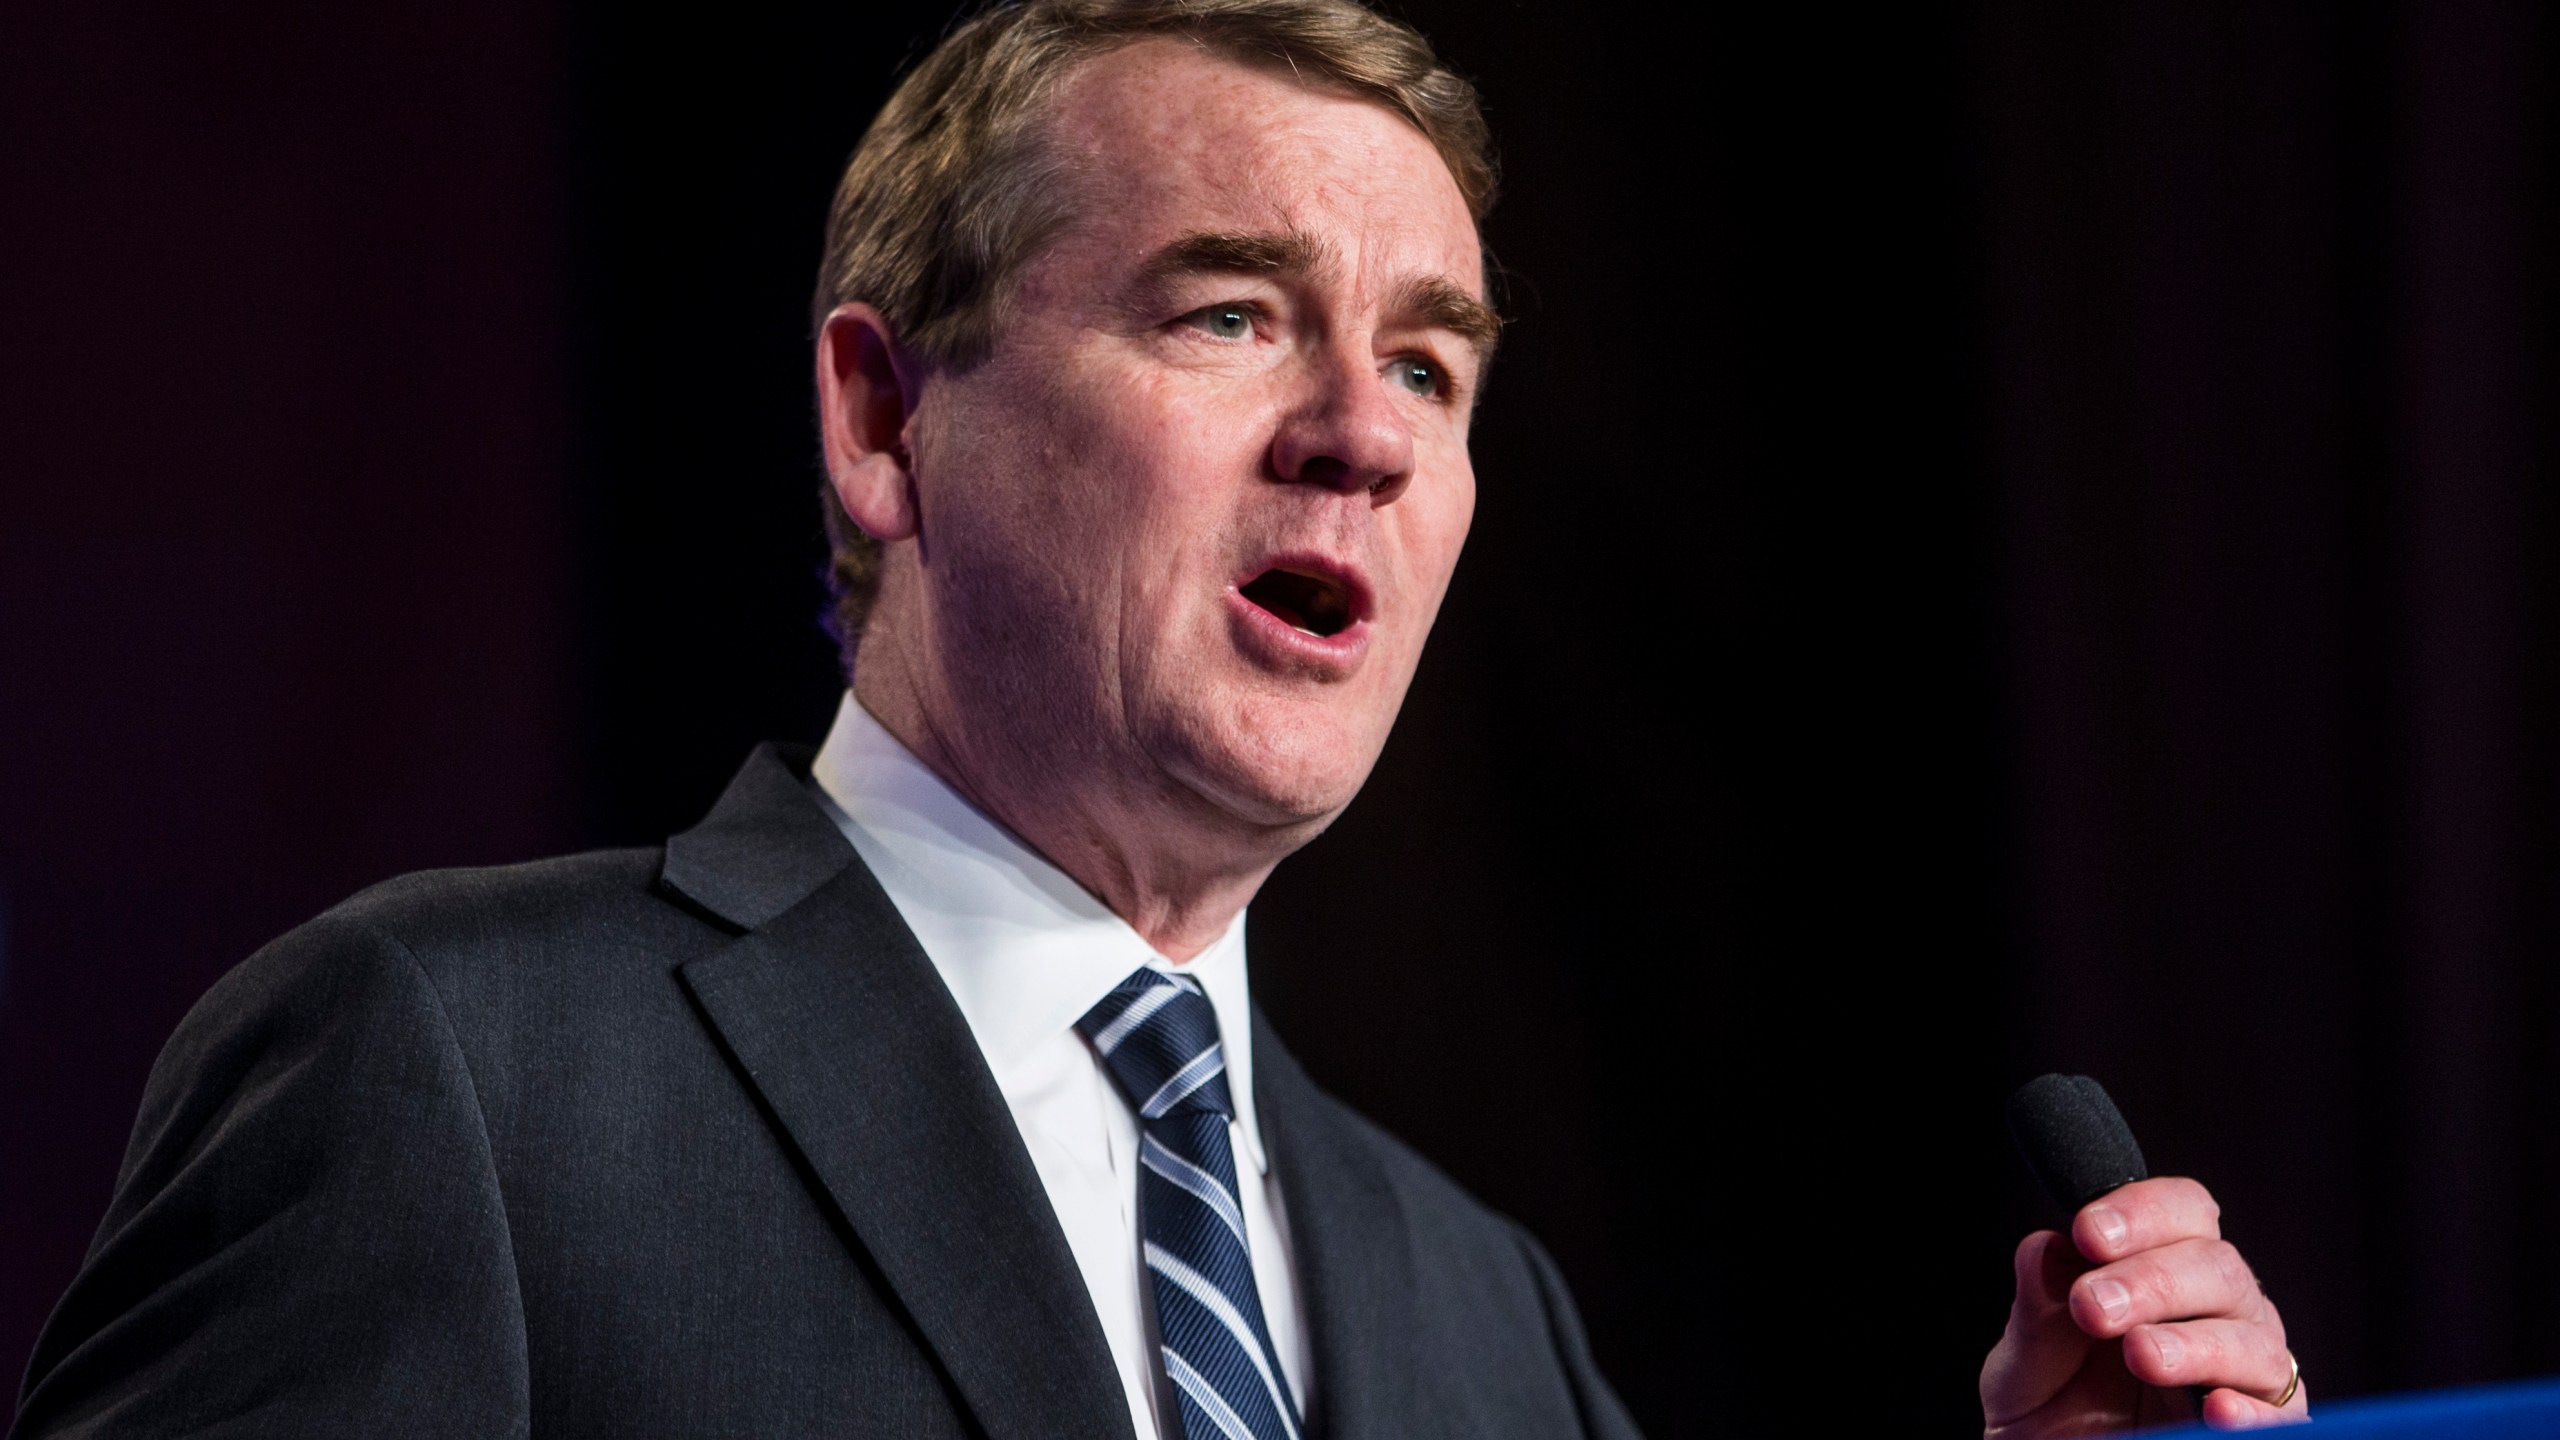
{"points": [[1026, 952]]}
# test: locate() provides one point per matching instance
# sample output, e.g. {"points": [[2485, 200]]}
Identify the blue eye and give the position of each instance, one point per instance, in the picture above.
{"points": [[1227, 322], [1419, 376]]}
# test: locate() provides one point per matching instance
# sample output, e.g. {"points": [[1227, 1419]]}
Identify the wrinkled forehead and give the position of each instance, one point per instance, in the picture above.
{"points": [[1162, 138]]}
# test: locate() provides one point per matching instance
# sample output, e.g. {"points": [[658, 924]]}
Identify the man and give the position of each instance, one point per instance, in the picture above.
{"points": [[916, 1091]]}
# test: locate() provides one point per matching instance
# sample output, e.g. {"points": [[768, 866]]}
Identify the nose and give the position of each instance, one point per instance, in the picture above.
{"points": [[1347, 435]]}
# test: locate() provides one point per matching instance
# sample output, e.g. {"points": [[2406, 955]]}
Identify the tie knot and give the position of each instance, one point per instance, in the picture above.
{"points": [[1158, 1036]]}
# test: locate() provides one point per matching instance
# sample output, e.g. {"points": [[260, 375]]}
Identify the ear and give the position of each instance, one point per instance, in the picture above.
{"points": [[866, 392]]}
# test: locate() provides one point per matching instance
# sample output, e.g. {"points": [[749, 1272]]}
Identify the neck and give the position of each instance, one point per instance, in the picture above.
{"points": [[1178, 877]]}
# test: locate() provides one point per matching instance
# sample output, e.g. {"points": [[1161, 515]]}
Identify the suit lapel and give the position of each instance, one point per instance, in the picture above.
{"points": [[1354, 1260], [843, 1027]]}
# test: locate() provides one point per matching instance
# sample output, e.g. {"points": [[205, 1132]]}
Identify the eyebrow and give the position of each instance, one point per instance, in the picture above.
{"points": [[1433, 301], [1441, 303], [1234, 252]]}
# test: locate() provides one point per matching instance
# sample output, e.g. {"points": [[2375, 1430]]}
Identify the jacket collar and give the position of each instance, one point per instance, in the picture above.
{"points": [[835, 1017], [765, 846]]}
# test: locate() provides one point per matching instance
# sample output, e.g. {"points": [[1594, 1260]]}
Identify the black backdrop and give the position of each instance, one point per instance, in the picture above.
{"points": [[2012, 537]]}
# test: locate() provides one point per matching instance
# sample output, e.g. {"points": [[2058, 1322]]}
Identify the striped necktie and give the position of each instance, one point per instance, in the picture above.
{"points": [[1158, 1037]]}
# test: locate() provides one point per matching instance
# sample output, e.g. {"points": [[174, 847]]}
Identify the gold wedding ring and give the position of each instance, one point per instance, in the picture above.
{"points": [[2290, 1385]]}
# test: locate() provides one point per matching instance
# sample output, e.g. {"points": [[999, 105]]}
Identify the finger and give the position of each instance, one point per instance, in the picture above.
{"points": [[2231, 1410], [2042, 1348], [2145, 1215], [2192, 1279], [2242, 1355], [2046, 1266]]}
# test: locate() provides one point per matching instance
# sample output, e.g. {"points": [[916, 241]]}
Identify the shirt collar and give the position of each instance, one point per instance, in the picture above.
{"points": [[1023, 948]]}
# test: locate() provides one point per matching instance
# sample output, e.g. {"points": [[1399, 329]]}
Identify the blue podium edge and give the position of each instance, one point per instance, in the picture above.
{"points": [[2477, 1412]]}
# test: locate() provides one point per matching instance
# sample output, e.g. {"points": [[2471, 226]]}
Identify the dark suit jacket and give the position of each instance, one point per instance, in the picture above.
{"points": [[693, 1141]]}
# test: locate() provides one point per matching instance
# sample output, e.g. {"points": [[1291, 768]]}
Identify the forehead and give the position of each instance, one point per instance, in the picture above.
{"points": [[1167, 138]]}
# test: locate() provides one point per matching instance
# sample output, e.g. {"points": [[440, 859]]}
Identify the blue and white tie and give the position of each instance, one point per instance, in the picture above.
{"points": [[1158, 1037]]}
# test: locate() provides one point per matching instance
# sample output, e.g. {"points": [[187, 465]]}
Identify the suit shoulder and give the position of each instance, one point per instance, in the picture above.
{"points": [[448, 936], [465, 927], [310, 1140], [482, 965], [1415, 1173], [434, 911], [1498, 1322], [1437, 1203]]}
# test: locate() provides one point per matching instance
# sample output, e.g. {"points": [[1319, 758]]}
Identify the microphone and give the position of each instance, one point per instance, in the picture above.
{"points": [[2074, 1139]]}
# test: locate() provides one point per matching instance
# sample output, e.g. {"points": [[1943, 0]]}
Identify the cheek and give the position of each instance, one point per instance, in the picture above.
{"points": [[1082, 470], [1147, 438], [1169, 482], [1435, 532]]}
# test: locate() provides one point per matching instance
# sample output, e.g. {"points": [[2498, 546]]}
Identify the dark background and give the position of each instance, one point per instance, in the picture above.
{"points": [[2012, 537]]}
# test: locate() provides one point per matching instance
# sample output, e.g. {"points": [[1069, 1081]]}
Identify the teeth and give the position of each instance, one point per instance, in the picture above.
{"points": [[1303, 630]]}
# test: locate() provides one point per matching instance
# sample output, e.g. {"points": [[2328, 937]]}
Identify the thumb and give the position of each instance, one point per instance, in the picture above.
{"points": [[2042, 1349]]}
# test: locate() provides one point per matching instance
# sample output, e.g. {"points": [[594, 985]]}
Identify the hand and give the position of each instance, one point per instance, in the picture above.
{"points": [[2114, 1324]]}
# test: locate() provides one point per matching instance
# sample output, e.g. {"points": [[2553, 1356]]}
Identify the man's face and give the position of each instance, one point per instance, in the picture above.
{"points": [[1195, 514]]}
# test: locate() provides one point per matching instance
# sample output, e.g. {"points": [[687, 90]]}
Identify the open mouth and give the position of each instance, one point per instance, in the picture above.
{"points": [[1314, 604]]}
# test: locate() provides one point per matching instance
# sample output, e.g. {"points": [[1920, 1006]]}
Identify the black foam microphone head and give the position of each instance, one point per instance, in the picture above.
{"points": [[2071, 1134]]}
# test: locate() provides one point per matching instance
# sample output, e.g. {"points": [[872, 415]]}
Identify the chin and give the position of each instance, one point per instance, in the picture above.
{"points": [[1277, 776]]}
